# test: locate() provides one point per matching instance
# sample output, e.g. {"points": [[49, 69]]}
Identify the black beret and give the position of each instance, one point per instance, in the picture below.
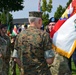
{"points": [[52, 19], [3, 25]]}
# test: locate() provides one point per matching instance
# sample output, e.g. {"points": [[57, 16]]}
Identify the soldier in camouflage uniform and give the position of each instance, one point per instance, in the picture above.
{"points": [[3, 49], [60, 64], [3, 35], [34, 48]]}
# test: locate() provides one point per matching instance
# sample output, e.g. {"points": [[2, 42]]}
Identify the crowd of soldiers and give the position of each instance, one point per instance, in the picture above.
{"points": [[5, 50], [32, 50]]}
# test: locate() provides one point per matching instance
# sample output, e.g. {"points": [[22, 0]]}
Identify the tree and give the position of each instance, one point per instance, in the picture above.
{"points": [[46, 9], [68, 3], [9, 5], [3, 18], [60, 10]]}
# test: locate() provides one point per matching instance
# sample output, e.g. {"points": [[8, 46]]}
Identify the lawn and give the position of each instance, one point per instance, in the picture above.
{"points": [[73, 70], [17, 71]]}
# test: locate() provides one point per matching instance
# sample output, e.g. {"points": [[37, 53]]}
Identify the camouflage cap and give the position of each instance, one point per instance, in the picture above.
{"points": [[35, 14]]}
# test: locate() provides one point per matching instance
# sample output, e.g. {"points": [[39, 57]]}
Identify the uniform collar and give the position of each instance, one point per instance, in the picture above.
{"points": [[32, 27]]}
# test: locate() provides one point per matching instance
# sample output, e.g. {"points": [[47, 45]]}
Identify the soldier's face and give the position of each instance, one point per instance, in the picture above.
{"points": [[4, 30], [51, 25]]}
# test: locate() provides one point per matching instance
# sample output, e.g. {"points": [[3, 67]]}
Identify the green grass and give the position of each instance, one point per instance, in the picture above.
{"points": [[17, 70], [73, 69]]}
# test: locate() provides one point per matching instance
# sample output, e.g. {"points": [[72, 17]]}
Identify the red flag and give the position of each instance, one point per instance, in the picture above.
{"points": [[64, 32]]}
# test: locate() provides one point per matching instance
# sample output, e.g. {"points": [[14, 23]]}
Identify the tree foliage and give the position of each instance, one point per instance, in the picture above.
{"points": [[44, 6], [49, 6], [46, 9], [11, 5], [60, 10], [45, 19], [68, 3], [3, 18], [7, 6]]}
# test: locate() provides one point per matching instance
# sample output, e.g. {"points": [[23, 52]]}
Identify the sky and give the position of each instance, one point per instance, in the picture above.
{"points": [[32, 5]]}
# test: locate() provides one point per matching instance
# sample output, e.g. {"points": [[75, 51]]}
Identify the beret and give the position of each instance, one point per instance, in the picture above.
{"points": [[52, 19]]}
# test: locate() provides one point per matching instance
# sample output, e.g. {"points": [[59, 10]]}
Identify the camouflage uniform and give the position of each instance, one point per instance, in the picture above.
{"points": [[60, 65], [31, 46], [3, 50], [8, 52], [3, 35], [3, 28]]}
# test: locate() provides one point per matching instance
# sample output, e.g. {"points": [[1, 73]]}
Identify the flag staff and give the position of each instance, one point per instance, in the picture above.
{"points": [[39, 5]]}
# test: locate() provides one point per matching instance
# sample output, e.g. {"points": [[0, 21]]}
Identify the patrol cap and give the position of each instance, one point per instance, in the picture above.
{"points": [[52, 19], [35, 14], [3, 25]]}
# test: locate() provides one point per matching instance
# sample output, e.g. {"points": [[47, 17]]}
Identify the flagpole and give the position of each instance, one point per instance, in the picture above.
{"points": [[39, 5], [7, 17]]}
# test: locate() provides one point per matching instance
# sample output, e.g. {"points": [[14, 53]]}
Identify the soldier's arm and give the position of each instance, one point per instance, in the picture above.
{"points": [[18, 61], [49, 56], [48, 52], [15, 57]]}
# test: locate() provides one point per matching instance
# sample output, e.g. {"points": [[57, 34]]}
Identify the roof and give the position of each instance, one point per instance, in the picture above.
{"points": [[20, 21]]}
